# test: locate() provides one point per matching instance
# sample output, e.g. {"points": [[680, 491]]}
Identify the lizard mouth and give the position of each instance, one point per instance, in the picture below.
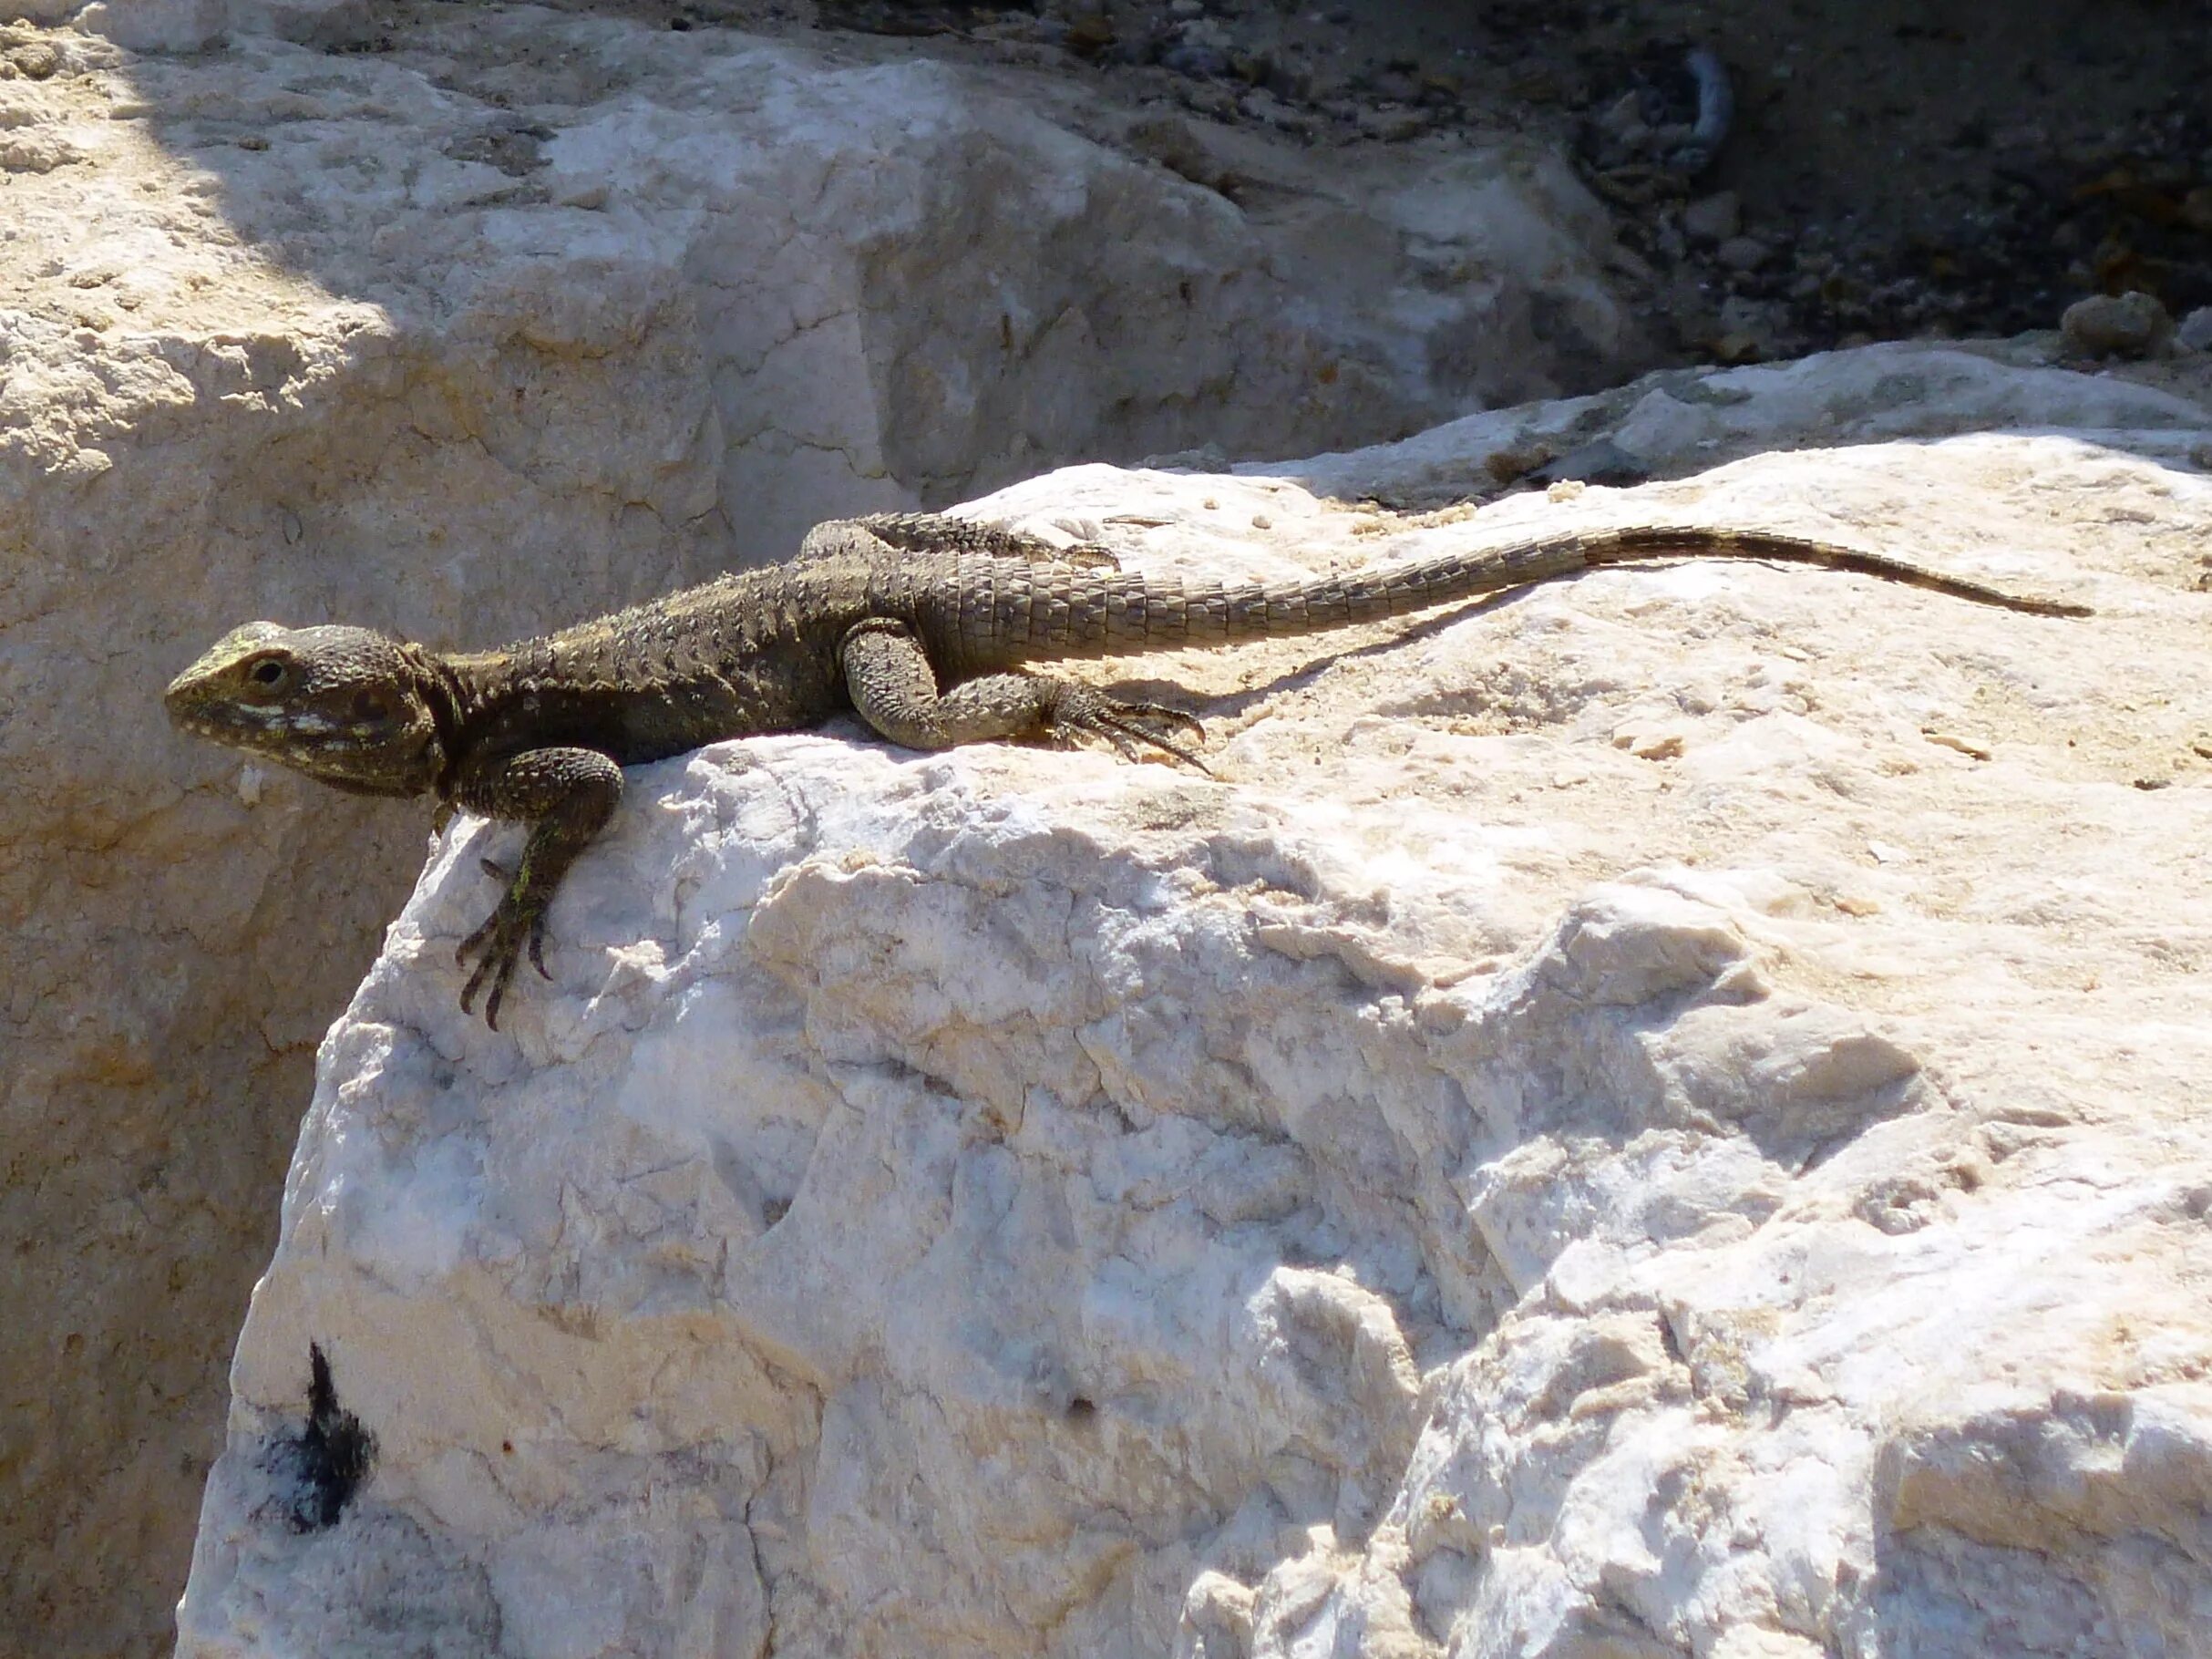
{"points": [[229, 722], [285, 733], [331, 750]]}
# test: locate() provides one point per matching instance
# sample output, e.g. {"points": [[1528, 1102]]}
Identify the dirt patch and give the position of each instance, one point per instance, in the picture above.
{"points": [[1892, 169]]}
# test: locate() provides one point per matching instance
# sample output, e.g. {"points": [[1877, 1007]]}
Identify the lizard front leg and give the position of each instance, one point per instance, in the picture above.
{"points": [[566, 795], [889, 677]]}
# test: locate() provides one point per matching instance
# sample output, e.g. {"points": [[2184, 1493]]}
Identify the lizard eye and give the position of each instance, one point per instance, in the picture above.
{"points": [[368, 705], [267, 671]]}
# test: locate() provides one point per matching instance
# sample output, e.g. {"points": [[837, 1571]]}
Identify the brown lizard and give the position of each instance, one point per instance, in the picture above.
{"points": [[923, 624]]}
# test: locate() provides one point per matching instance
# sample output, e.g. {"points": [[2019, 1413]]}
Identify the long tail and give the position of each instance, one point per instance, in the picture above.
{"points": [[1015, 612]]}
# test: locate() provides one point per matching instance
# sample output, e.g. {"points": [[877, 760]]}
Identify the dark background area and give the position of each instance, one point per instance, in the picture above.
{"points": [[1897, 168]]}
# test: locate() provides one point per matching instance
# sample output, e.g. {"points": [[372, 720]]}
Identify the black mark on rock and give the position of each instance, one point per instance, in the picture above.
{"points": [[329, 1458]]}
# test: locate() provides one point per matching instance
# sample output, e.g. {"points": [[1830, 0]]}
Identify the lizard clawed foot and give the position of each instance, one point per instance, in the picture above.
{"points": [[1089, 556], [1126, 726], [505, 878], [513, 927]]}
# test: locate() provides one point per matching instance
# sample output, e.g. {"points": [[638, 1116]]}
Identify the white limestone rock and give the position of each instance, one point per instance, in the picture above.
{"points": [[1681, 420], [1664, 1114]]}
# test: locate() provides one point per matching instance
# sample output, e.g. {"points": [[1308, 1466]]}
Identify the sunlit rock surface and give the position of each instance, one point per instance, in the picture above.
{"points": [[1666, 1114]]}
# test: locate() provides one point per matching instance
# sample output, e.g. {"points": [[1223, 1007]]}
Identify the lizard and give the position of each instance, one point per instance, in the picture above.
{"points": [[925, 625]]}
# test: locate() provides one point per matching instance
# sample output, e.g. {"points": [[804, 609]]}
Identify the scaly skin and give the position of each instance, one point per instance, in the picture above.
{"points": [[922, 624]]}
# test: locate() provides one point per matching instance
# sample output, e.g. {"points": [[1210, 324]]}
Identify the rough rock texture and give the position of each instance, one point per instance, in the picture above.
{"points": [[1678, 421], [470, 331], [1664, 1115]]}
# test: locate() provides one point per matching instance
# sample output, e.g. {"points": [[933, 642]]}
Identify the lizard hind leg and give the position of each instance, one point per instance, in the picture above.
{"points": [[890, 682]]}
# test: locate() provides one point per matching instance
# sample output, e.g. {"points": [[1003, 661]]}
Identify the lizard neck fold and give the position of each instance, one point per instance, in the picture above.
{"points": [[446, 693]]}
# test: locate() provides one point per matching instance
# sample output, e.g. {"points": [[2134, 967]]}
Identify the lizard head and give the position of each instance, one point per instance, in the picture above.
{"points": [[345, 705]]}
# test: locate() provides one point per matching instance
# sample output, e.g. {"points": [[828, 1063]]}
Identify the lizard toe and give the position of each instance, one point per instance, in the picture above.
{"points": [[495, 968], [1127, 725], [498, 995], [1162, 715], [497, 949], [1166, 745], [470, 945], [476, 978]]}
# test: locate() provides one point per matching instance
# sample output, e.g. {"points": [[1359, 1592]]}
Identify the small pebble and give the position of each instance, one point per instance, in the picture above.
{"points": [[1393, 126], [1713, 219], [1194, 59], [2195, 330], [37, 60], [2132, 324], [1091, 30], [1648, 741], [1625, 117], [1742, 254]]}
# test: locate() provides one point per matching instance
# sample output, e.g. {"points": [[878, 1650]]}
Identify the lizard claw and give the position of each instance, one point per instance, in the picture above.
{"points": [[1127, 725], [1160, 714], [497, 947]]}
